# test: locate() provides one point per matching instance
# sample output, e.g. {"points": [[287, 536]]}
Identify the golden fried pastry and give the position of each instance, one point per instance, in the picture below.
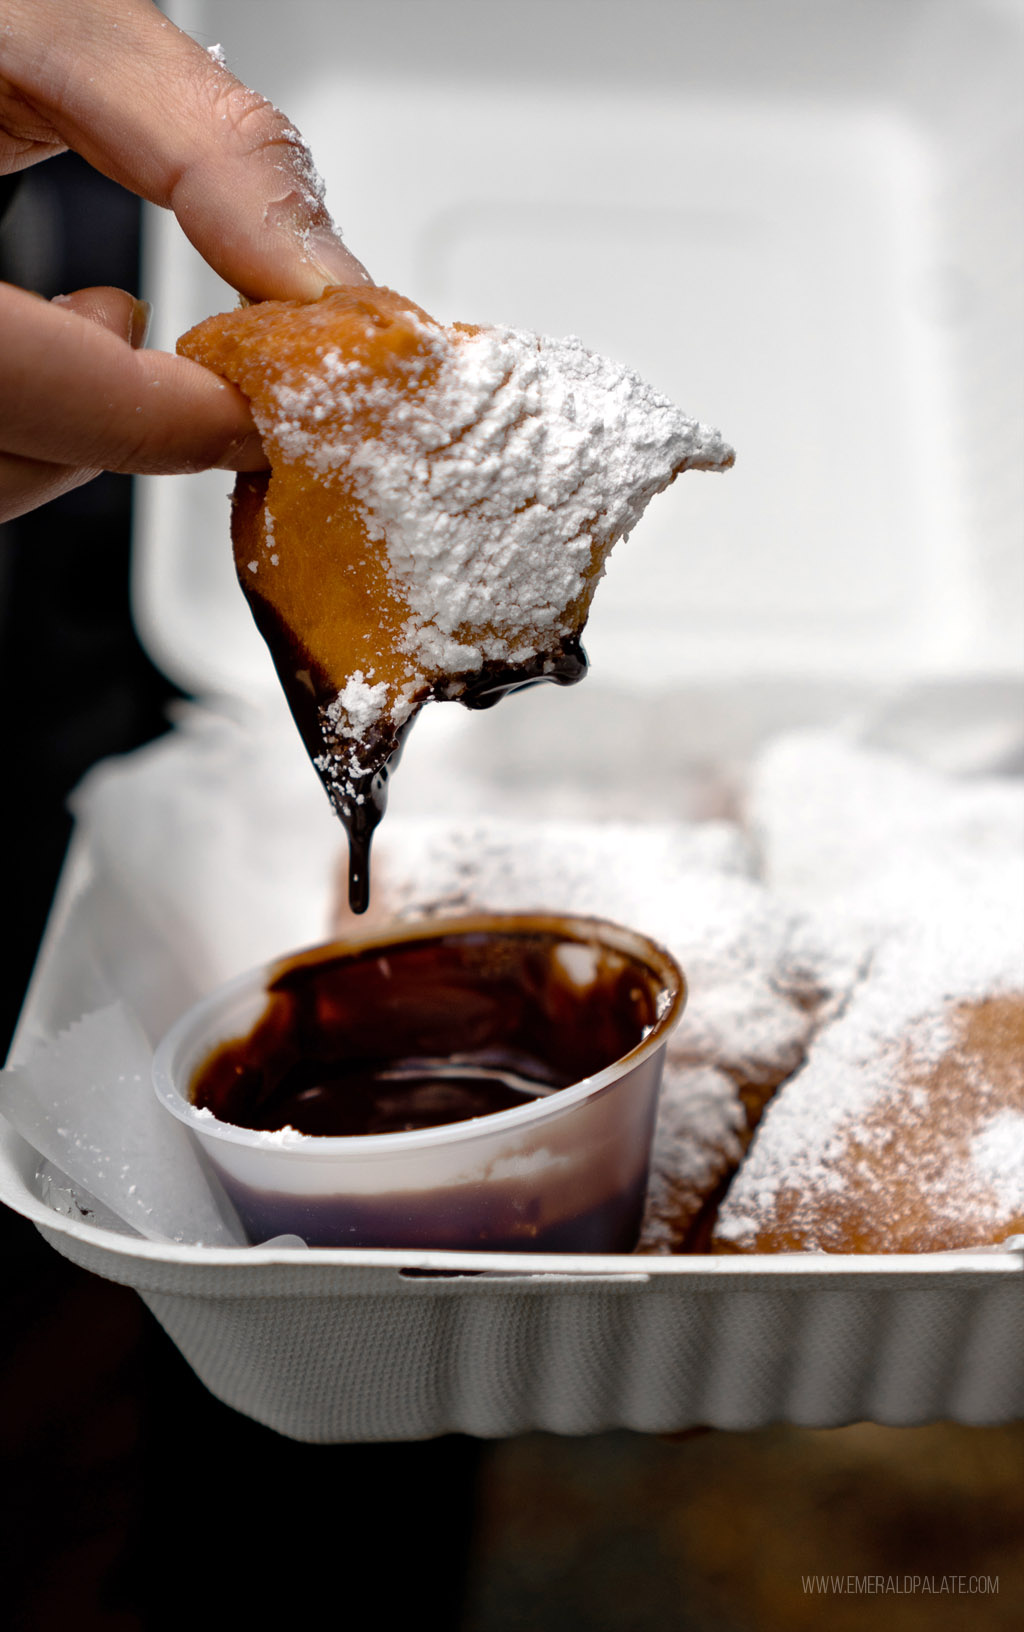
{"points": [[439, 508], [904, 1132]]}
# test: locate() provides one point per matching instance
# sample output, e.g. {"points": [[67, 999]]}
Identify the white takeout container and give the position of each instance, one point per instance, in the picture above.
{"points": [[565, 1170], [803, 223]]}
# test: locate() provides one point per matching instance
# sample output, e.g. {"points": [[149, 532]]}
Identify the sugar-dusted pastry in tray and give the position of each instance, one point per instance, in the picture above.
{"points": [[760, 975], [440, 505], [904, 1131], [836, 821]]}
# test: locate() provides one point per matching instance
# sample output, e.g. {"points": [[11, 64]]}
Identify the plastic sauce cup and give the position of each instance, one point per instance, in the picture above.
{"points": [[436, 1010]]}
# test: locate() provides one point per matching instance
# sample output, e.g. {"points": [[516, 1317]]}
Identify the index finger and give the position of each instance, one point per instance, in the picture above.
{"points": [[141, 101]]}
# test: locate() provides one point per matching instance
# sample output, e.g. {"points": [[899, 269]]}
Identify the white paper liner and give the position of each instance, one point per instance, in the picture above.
{"points": [[212, 852], [85, 1102], [200, 856]]}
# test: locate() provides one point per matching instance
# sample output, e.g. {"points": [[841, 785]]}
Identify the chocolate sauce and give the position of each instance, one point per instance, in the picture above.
{"points": [[358, 791], [427, 1032], [361, 801], [481, 1220], [360, 798], [565, 666], [356, 779]]}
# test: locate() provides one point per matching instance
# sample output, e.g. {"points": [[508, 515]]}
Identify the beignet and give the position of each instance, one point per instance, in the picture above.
{"points": [[440, 505], [904, 1131]]}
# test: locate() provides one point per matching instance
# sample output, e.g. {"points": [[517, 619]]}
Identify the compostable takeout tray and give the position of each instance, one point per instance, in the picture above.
{"points": [[341, 1345], [879, 209], [337, 1345]]}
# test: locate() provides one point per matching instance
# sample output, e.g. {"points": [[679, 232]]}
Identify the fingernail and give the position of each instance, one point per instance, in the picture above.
{"points": [[332, 260], [142, 311], [244, 454]]}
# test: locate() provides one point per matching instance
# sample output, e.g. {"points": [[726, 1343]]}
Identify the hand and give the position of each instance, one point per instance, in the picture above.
{"points": [[118, 83]]}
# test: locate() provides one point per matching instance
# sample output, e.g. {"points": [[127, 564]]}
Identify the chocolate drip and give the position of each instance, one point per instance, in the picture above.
{"points": [[360, 798], [565, 666], [362, 801], [357, 776], [356, 787]]}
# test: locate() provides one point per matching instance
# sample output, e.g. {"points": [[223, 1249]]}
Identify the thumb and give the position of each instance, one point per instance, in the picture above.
{"points": [[113, 309]]}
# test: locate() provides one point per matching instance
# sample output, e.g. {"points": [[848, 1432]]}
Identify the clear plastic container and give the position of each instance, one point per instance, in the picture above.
{"points": [[562, 1172]]}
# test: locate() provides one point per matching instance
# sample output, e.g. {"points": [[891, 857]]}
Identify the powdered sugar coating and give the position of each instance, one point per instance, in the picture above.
{"points": [[997, 1157], [600, 868], [905, 1128], [500, 488], [867, 829], [357, 706], [700, 1136]]}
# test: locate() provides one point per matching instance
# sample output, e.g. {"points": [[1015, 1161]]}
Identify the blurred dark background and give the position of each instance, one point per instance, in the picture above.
{"points": [[76, 685]]}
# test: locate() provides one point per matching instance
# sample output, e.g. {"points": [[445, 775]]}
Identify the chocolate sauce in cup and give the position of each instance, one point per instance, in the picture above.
{"points": [[484, 1083]]}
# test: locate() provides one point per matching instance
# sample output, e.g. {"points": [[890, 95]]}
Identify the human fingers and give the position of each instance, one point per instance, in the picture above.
{"points": [[25, 484], [77, 394], [124, 87], [109, 308], [25, 134]]}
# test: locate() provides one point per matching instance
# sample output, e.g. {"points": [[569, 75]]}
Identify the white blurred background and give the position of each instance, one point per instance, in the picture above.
{"points": [[801, 219]]}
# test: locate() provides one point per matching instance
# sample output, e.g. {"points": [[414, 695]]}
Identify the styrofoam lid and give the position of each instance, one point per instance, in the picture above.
{"points": [[800, 222]]}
